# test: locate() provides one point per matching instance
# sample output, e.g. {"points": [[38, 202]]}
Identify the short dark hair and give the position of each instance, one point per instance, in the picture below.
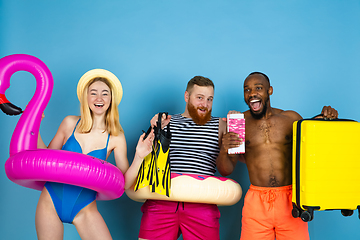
{"points": [[200, 81], [263, 74]]}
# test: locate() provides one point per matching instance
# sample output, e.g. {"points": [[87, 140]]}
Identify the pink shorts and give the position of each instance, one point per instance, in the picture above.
{"points": [[168, 220], [267, 215]]}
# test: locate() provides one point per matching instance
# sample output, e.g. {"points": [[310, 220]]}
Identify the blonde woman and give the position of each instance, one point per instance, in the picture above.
{"points": [[97, 132]]}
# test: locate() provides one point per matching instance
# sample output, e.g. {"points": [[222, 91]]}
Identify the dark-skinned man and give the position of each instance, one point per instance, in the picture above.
{"points": [[268, 156]]}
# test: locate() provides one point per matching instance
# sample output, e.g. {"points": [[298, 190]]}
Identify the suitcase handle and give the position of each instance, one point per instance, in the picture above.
{"points": [[328, 119]]}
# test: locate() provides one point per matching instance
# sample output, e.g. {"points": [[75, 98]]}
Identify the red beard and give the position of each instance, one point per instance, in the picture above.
{"points": [[199, 119]]}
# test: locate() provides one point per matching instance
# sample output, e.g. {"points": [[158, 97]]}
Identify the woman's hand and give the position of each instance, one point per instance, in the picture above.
{"points": [[144, 146]]}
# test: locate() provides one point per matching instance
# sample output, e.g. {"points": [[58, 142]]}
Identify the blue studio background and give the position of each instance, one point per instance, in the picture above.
{"points": [[309, 49]]}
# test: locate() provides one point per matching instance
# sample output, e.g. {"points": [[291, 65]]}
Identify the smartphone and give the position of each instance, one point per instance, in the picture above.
{"points": [[236, 124]]}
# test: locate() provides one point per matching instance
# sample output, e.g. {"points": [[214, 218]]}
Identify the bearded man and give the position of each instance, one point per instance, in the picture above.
{"points": [[194, 149], [268, 157]]}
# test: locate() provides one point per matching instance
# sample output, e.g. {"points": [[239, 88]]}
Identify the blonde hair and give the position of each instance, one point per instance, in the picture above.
{"points": [[112, 123]]}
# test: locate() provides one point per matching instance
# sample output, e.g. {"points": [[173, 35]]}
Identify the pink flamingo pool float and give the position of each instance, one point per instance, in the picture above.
{"points": [[31, 167]]}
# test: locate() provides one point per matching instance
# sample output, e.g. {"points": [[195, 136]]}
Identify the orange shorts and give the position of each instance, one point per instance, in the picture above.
{"points": [[266, 215]]}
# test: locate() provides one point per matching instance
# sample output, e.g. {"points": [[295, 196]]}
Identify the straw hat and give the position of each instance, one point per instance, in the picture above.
{"points": [[116, 87]]}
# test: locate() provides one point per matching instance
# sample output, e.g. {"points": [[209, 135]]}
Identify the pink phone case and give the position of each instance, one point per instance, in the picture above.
{"points": [[236, 124]]}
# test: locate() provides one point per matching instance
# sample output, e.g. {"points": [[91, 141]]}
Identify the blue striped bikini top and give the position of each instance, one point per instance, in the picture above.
{"points": [[73, 145]]}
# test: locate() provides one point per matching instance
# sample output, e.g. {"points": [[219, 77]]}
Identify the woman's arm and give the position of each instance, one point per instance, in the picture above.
{"points": [[65, 129], [120, 152], [143, 148], [41, 143]]}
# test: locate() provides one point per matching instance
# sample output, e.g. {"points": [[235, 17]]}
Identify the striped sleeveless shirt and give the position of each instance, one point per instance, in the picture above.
{"points": [[193, 148]]}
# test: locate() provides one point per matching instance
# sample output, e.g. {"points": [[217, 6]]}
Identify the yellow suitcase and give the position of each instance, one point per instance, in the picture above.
{"points": [[326, 167]]}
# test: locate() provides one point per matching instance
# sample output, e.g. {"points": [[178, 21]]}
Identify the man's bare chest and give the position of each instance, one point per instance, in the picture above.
{"points": [[268, 132]]}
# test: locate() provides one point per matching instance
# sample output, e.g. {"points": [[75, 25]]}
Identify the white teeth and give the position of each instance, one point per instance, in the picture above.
{"points": [[255, 100]]}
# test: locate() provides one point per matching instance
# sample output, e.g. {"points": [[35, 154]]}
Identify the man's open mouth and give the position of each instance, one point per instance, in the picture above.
{"points": [[255, 105]]}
